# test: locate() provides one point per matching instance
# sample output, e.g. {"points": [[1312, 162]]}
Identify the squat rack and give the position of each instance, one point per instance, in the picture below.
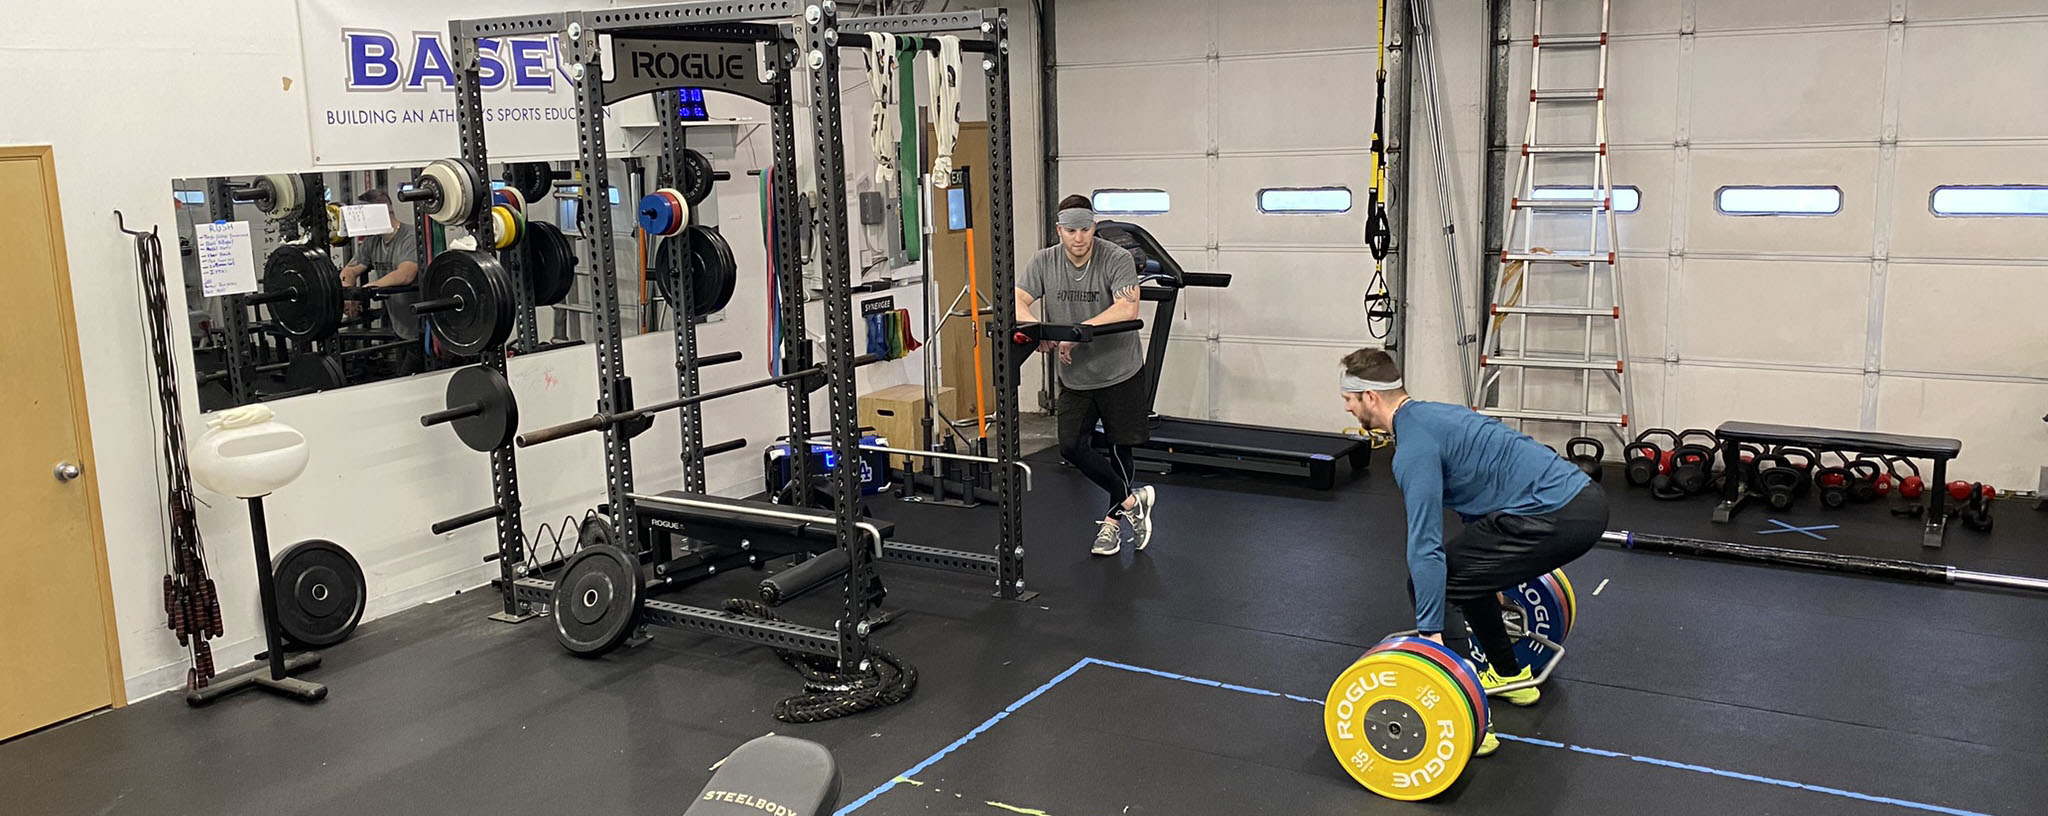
{"points": [[806, 30]]}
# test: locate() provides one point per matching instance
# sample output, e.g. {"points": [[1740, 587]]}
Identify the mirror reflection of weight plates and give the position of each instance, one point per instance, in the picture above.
{"points": [[320, 593]]}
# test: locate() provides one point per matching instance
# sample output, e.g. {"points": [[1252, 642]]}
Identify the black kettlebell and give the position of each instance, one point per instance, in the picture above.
{"points": [[1586, 452], [1692, 468], [1778, 480], [1976, 514], [1643, 459], [1804, 461], [1833, 484], [1863, 473]]}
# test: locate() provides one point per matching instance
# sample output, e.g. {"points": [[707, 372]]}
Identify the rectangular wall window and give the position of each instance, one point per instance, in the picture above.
{"points": [[190, 198], [1305, 200], [2002, 199], [1778, 200], [1626, 199], [1131, 202]]}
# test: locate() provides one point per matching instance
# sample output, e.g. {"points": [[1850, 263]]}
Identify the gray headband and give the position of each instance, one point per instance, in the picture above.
{"points": [[1354, 385], [1075, 218]]}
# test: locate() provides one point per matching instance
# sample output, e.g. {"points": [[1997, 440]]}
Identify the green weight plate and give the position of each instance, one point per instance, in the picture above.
{"points": [[320, 592], [597, 600], [313, 312]]}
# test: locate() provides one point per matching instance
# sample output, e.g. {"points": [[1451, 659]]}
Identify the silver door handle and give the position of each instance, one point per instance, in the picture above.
{"points": [[66, 471]]}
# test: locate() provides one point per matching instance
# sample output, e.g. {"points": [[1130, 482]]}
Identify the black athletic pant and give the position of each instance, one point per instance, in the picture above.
{"points": [[1500, 551], [1124, 411]]}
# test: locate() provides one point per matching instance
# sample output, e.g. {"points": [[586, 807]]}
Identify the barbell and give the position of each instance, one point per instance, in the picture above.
{"points": [[815, 375]]}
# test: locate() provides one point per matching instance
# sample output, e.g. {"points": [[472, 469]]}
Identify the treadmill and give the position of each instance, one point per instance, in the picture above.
{"points": [[1229, 446]]}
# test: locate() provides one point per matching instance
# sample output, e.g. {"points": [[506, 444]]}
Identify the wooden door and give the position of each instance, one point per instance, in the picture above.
{"points": [[61, 658]]}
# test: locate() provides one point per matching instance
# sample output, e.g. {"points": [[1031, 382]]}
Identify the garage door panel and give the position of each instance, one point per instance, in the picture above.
{"points": [[1648, 229], [1254, 28], [1238, 181], [1809, 86], [1264, 101], [1184, 379], [1711, 395], [1925, 304], [1924, 10], [1583, 17], [1281, 385], [1725, 15], [1311, 295], [1997, 422], [1974, 81], [1129, 32], [1184, 180], [1155, 108], [1642, 79], [1849, 232], [1918, 232], [1777, 311]]}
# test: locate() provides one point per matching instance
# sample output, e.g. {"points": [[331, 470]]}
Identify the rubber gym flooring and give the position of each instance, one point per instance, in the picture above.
{"points": [[1184, 680]]}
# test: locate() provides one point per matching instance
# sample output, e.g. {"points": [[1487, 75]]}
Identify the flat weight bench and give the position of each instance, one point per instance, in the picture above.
{"points": [[1937, 449], [771, 776]]}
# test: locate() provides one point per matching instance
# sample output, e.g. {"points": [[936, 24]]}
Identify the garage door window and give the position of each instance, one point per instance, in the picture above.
{"points": [[2009, 199], [1778, 200], [1626, 199], [1131, 202], [1305, 200]]}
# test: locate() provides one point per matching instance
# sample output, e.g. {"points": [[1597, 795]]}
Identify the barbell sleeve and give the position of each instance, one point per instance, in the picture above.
{"points": [[452, 414], [250, 193], [718, 359], [272, 296], [727, 446], [422, 191], [466, 519], [437, 305], [549, 434]]}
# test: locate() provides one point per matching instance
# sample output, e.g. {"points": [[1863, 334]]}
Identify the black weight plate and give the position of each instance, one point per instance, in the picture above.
{"points": [[495, 427], [695, 181], [595, 531], [534, 180], [597, 600], [485, 318], [671, 259], [314, 311], [320, 592], [551, 262], [314, 372], [713, 272]]}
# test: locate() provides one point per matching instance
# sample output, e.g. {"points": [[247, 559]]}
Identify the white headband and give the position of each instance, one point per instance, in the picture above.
{"points": [[1354, 385]]}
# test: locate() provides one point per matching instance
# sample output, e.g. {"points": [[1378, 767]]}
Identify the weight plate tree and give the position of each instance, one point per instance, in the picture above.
{"points": [[320, 593]]}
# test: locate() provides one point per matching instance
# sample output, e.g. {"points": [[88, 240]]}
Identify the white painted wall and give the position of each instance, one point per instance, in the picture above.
{"points": [[1882, 317], [132, 95]]}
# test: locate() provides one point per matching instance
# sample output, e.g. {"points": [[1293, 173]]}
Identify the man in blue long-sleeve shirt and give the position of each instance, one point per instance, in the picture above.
{"points": [[1526, 510]]}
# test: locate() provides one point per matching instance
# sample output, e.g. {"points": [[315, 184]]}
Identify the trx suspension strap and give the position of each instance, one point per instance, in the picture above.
{"points": [[1379, 235]]}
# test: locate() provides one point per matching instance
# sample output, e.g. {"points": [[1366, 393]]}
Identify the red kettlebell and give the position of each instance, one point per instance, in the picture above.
{"points": [[1883, 484], [1664, 462], [1959, 490], [1990, 492], [1912, 487]]}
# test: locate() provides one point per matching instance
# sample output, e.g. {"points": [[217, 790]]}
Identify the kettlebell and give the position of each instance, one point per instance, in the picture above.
{"points": [[1804, 461], [1690, 468], [1976, 515], [1778, 480], [1908, 504], [1586, 452], [1745, 473], [1863, 475], [1833, 483], [1643, 459]]}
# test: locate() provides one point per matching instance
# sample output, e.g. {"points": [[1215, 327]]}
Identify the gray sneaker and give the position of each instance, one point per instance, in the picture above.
{"points": [[1141, 515], [1109, 538]]}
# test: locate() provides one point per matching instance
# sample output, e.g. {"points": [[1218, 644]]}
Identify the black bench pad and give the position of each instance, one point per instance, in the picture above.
{"points": [[771, 775], [1929, 447]]}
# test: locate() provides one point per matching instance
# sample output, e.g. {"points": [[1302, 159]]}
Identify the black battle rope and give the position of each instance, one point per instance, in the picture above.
{"points": [[1379, 234], [191, 606], [828, 693]]}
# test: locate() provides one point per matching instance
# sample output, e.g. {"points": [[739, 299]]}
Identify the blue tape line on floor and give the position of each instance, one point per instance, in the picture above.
{"points": [[1663, 763]]}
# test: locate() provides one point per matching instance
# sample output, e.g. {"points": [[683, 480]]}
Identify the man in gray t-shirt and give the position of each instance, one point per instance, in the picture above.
{"points": [[387, 261], [1085, 279]]}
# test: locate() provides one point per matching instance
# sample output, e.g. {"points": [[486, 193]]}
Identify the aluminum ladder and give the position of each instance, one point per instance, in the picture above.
{"points": [[1557, 247]]}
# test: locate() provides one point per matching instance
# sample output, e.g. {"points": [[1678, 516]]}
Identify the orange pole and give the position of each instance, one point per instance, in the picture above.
{"points": [[974, 307]]}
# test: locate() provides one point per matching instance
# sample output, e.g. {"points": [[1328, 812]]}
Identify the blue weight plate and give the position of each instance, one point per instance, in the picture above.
{"points": [[1544, 612], [657, 214]]}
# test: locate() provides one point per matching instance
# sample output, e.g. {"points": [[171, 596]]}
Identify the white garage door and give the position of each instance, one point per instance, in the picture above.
{"points": [[1210, 103], [1906, 296]]}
